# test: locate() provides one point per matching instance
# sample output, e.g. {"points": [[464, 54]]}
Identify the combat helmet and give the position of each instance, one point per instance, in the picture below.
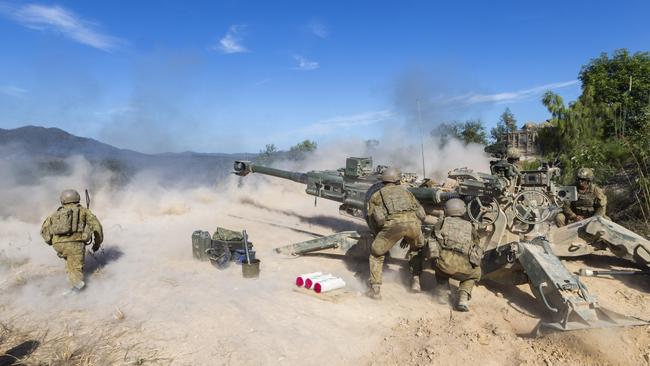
{"points": [[586, 174], [455, 207], [391, 175], [70, 196]]}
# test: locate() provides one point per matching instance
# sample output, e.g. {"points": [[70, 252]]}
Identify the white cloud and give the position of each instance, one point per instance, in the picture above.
{"points": [[326, 127], [60, 20], [507, 97], [231, 42], [304, 64], [334, 124], [12, 91], [318, 29]]}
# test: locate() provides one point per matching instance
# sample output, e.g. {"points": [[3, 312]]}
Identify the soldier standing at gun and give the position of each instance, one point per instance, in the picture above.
{"points": [[456, 254], [69, 230], [398, 215], [591, 200]]}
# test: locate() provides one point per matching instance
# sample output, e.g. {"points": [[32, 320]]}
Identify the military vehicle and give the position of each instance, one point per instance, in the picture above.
{"points": [[514, 211]]}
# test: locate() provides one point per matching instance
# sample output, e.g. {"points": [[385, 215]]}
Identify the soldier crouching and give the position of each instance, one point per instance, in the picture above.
{"points": [[591, 200], [456, 254], [69, 230], [398, 215]]}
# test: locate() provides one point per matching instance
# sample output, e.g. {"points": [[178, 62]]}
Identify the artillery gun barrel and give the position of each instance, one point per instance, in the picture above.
{"points": [[243, 168], [432, 195]]}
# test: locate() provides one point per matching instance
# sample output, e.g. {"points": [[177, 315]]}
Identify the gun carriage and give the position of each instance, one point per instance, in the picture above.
{"points": [[513, 211]]}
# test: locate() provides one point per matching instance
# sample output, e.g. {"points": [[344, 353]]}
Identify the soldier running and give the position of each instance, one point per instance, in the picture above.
{"points": [[69, 230]]}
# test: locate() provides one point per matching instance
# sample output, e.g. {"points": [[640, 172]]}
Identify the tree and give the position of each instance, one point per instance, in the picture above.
{"points": [[471, 131], [607, 128], [299, 150], [267, 155], [447, 131], [508, 119], [498, 132], [622, 83]]}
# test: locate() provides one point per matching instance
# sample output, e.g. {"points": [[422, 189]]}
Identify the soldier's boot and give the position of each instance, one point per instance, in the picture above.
{"points": [[75, 289], [374, 292], [415, 284], [463, 301]]}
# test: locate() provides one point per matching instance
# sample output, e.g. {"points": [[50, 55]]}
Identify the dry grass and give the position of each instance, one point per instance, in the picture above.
{"points": [[34, 346]]}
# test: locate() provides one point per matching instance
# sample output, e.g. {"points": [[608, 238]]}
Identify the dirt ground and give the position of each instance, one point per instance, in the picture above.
{"points": [[151, 303]]}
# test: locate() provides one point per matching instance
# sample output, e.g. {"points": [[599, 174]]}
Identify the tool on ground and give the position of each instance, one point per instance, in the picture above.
{"points": [[250, 269]]}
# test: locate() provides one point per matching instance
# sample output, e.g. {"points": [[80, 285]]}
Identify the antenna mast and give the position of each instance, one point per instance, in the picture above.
{"points": [[424, 172]]}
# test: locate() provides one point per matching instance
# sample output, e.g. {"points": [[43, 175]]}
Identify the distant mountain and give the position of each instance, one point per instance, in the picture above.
{"points": [[49, 148], [54, 142]]}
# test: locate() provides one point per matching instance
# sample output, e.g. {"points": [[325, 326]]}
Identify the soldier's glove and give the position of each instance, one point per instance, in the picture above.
{"points": [[404, 244], [96, 247]]}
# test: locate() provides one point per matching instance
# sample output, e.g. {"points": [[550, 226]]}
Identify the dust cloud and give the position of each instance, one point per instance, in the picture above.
{"points": [[146, 287], [147, 273], [395, 150]]}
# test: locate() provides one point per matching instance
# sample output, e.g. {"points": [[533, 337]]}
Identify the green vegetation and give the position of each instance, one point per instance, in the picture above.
{"points": [[297, 152], [607, 128], [471, 131], [300, 150], [507, 123], [267, 155]]}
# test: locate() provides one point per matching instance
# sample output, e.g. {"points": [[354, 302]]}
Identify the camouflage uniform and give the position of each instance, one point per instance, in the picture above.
{"points": [[398, 214], [459, 255], [69, 230], [591, 202]]}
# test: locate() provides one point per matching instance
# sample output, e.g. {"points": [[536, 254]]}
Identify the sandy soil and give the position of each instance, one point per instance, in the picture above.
{"points": [[148, 290]]}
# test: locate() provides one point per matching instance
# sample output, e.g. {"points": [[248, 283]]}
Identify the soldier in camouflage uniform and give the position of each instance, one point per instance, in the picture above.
{"points": [[456, 254], [591, 200], [507, 167], [397, 215], [69, 230]]}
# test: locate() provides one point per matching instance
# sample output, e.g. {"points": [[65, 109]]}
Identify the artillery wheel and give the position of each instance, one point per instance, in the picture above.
{"points": [[483, 210], [532, 207]]}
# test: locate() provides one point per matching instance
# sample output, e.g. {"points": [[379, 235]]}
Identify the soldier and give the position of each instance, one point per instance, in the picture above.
{"points": [[507, 167], [69, 230], [591, 200], [397, 215], [456, 254]]}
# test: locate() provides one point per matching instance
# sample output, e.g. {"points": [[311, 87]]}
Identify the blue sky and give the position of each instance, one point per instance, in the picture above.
{"points": [[232, 76]]}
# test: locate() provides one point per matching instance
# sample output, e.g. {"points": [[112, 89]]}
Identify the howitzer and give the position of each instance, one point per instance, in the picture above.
{"points": [[514, 212], [351, 186]]}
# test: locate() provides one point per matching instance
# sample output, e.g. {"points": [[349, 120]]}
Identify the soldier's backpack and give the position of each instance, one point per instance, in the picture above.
{"points": [[224, 234], [61, 221]]}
